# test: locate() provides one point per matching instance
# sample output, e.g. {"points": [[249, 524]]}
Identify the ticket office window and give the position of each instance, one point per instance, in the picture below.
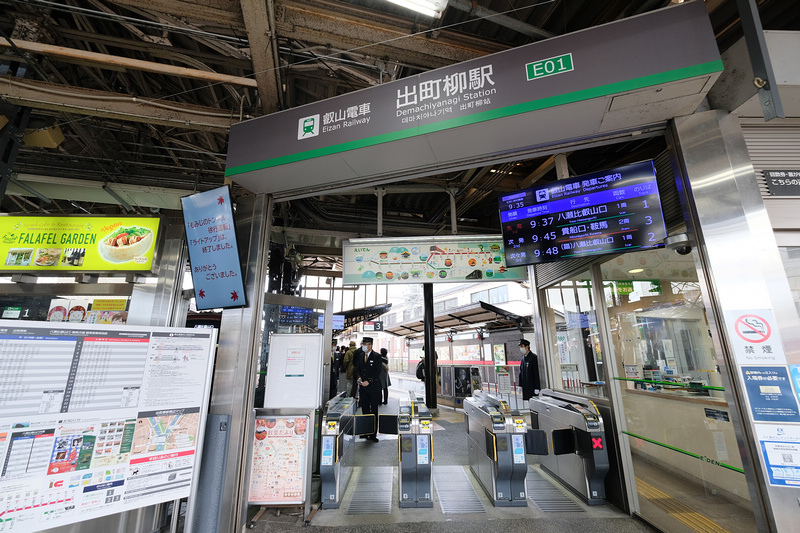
{"points": [[573, 335], [672, 397]]}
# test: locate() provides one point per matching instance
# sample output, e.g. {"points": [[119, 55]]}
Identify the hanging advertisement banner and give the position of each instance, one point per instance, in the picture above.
{"points": [[426, 259], [115, 424], [86, 244], [213, 252]]}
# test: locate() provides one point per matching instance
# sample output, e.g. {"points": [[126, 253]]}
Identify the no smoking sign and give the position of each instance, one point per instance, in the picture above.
{"points": [[753, 328], [754, 337]]}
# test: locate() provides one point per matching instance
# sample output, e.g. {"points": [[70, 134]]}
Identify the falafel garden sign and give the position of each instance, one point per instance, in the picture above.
{"points": [[35, 244], [426, 260]]}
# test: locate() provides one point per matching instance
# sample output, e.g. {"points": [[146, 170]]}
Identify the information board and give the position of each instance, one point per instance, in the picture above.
{"points": [[213, 252], [278, 466], [426, 259], [294, 371], [98, 419], [611, 211], [783, 182], [34, 244]]}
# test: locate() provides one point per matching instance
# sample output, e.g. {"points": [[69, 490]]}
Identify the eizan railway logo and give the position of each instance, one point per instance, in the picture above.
{"points": [[308, 127]]}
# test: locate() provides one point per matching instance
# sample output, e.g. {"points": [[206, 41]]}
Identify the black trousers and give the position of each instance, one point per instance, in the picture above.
{"points": [[370, 400]]}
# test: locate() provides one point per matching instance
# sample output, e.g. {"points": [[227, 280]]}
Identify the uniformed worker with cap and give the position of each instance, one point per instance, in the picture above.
{"points": [[368, 374], [528, 371]]}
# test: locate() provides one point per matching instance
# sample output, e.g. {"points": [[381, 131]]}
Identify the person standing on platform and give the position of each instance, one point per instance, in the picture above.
{"points": [[334, 369], [348, 368], [528, 371], [368, 373], [385, 381], [358, 356]]}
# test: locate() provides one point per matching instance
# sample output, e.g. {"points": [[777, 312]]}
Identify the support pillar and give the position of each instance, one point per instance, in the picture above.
{"points": [[430, 345]]}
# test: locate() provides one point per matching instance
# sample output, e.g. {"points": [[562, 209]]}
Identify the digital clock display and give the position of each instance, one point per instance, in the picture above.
{"points": [[607, 212]]}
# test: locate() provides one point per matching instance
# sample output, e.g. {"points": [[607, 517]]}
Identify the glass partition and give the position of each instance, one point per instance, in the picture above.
{"points": [[574, 342], [684, 453]]}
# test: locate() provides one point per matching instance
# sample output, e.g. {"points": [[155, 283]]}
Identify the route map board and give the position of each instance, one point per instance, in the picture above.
{"points": [[278, 467], [98, 419], [424, 260], [607, 212]]}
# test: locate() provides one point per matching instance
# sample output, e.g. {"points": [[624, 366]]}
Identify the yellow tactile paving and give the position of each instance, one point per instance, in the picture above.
{"points": [[680, 511]]}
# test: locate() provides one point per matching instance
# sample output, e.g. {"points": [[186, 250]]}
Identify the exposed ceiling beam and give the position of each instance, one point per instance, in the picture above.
{"points": [[223, 12], [263, 51], [114, 62], [372, 33], [42, 95]]}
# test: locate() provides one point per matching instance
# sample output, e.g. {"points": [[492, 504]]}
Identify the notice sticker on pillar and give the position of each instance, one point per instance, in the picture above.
{"points": [[754, 336], [770, 394], [780, 448], [213, 252]]}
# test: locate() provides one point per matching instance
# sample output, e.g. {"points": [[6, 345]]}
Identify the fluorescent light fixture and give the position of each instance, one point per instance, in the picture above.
{"points": [[635, 270], [117, 197], [431, 8]]}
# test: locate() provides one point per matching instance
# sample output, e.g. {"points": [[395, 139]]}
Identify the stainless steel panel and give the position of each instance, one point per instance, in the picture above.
{"points": [[237, 356], [741, 270]]}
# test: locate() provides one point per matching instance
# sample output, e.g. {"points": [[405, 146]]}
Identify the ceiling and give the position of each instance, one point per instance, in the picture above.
{"points": [[144, 91]]}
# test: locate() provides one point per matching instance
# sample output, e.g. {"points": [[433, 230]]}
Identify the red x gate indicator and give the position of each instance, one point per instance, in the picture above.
{"points": [[597, 443]]}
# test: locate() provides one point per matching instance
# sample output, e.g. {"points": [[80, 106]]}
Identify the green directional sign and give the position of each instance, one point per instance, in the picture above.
{"points": [[549, 67]]}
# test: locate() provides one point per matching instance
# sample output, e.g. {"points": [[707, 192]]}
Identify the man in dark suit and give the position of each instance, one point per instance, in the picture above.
{"points": [[528, 371], [369, 383]]}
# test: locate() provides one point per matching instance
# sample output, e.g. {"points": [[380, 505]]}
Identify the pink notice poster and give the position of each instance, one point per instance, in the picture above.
{"points": [[278, 467]]}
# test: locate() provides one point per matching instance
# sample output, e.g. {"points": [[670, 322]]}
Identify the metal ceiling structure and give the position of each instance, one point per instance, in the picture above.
{"points": [[470, 317], [132, 99]]}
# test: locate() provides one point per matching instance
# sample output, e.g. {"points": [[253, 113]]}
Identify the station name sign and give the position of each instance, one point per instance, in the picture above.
{"points": [[87, 244]]}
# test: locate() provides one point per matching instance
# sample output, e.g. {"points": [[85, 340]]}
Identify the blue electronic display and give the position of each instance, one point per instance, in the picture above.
{"points": [[607, 212]]}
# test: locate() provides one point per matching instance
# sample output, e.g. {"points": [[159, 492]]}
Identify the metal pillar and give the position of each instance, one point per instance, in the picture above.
{"points": [[236, 367], [430, 346], [741, 270]]}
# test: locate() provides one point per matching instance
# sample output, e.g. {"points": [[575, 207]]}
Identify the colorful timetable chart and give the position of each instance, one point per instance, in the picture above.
{"points": [[98, 419]]}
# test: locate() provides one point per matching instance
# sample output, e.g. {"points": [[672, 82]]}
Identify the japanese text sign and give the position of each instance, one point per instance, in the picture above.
{"points": [[754, 336], [213, 253]]}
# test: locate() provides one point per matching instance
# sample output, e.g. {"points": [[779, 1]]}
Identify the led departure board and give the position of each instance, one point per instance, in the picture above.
{"points": [[607, 212]]}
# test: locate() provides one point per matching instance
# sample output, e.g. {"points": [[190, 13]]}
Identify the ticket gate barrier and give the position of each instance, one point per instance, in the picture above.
{"points": [[336, 449], [414, 427], [497, 436], [579, 456]]}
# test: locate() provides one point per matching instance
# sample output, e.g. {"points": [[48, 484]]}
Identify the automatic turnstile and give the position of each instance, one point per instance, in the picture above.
{"points": [[579, 457], [415, 452], [496, 437], [336, 449]]}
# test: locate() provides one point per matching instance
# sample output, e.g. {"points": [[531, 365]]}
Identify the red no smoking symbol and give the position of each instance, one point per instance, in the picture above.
{"points": [[753, 328]]}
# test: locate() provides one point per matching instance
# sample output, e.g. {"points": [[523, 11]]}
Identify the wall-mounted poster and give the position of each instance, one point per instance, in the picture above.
{"points": [[499, 354], [105, 432]]}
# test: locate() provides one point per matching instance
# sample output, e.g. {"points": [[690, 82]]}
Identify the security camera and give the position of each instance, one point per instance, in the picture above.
{"points": [[680, 243]]}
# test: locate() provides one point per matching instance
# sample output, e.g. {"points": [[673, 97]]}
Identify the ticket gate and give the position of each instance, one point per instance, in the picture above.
{"points": [[496, 436], [336, 449], [415, 452], [579, 458]]}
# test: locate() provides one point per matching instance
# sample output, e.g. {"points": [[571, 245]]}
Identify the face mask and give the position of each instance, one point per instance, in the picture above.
{"points": [[523, 350], [364, 347]]}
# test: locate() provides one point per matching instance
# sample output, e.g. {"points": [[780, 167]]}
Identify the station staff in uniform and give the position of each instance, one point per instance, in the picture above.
{"points": [[528, 371], [369, 383]]}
